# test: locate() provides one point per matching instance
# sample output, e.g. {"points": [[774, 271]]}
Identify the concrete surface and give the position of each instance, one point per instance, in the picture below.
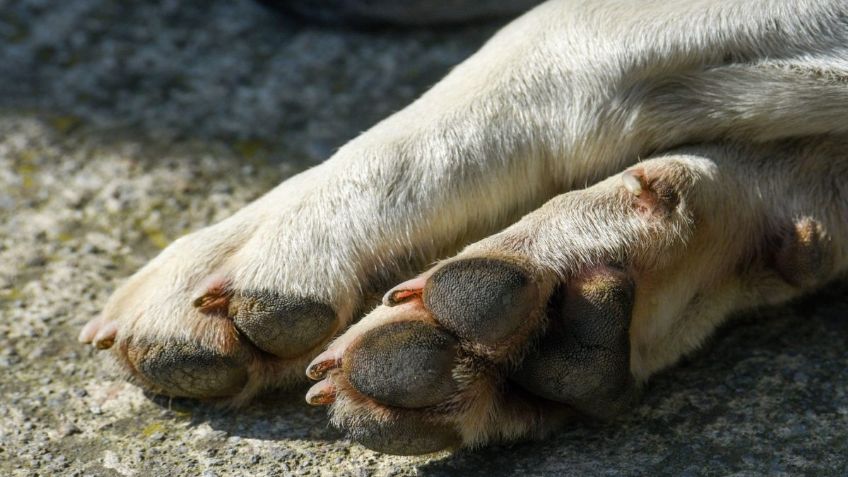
{"points": [[125, 124]]}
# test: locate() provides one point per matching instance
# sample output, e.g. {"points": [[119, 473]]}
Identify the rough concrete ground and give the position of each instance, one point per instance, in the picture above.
{"points": [[126, 124]]}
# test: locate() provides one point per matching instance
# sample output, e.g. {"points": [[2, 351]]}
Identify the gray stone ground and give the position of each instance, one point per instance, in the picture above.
{"points": [[126, 124]]}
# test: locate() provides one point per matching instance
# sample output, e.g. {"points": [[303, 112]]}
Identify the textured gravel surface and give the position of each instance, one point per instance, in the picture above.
{"points": [[126, 124]]}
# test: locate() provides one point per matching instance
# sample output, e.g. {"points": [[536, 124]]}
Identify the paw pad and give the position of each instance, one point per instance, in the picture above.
{"points": [[406, 364], [482, 300], [804, 257], [282, 325]]}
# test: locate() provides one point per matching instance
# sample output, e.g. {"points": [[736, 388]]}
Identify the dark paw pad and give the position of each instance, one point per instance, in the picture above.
{"points": [[185, 369], [282, 325], [481, 300], [804, 258], [584, 358], [406, 364]]}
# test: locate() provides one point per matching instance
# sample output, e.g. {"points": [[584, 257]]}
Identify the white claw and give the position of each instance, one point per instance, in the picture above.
{"points": [[105, 337], [89, 330], [631, 183]]}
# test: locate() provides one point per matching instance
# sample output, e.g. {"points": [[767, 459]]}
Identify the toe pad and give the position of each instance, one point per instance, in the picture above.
{"points": [[481, 300], [405, 364], [282, 325]]}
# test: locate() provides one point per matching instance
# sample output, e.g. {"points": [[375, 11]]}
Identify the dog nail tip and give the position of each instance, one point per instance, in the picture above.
{"points": [[105, 337], [321, 394], [398, 297], [632, 183], [88, 332], [405, 291], [321, 365]]}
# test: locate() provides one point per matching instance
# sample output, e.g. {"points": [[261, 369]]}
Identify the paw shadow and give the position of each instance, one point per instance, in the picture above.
{"points": [[275, 416]]}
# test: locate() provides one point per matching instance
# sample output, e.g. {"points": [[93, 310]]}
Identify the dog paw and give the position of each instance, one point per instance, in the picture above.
{"points": [[206, 319], [515, 334], [460, 357], [564, 313], [245, 304]]}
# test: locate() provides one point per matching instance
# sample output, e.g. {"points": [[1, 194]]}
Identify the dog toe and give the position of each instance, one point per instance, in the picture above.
{"points": [[283, 325], [405, 364]]}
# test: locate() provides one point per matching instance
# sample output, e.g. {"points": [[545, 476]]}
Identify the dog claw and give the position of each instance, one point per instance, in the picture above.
{"points": [[100, 333], [89, 330], [216, 297], [632, 183], [406, 291], [104, 343], [322, 364], [321, 394]]}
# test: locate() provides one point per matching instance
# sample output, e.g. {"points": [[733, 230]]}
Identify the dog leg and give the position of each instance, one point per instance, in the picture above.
{"points": [[567, 311]]}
